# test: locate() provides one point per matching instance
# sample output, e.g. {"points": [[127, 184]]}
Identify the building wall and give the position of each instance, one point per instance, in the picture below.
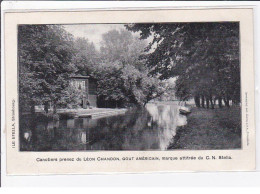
{"points": [[92, 89], [93, 100], [92, 93], [89, 89], [79, 84]]}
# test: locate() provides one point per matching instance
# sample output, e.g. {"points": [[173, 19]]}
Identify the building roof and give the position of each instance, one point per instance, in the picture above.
{"points": [[80, 77]]}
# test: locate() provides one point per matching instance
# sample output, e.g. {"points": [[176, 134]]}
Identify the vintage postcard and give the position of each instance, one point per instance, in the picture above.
{"points": [[127, 91]]}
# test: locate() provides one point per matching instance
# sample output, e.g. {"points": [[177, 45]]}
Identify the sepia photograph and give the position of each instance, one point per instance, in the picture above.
{"points": [[129, 86], [129, 91]]}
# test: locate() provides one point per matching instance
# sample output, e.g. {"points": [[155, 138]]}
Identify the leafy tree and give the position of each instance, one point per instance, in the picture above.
{"points": [[71, 97], [122, 85], [45, 52], [203, 56], [86, 56], [123, 76], [122, 47]]}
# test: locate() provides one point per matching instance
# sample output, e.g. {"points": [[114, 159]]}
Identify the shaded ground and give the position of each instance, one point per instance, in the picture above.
{"points": [[210, 129]]}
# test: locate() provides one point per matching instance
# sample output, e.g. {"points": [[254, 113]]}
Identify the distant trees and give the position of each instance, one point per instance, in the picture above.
{"points": [[85, 57], [204, 57], [122, 47], [122, 75], [120, 86]]}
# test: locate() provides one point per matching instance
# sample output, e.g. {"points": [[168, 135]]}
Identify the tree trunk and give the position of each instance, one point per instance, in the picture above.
{"points": [[207, 102], [197, 101], [220, 102], [54, 108], [33, 108], [203, 101], [46, 107], [211, 102], [214, 101], [226, 101]]}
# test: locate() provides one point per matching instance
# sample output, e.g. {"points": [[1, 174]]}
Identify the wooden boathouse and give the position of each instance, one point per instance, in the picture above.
{"points": [[88, 88]]}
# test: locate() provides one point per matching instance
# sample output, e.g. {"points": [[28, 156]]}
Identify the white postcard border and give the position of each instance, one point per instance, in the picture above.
{"points": [[25, 163]]}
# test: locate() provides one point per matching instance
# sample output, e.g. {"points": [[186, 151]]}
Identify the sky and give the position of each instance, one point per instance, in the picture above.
{"points": [[93, 32]]}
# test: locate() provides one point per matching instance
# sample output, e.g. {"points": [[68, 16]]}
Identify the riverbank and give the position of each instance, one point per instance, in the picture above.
{"points": [[210, 129], [93, 113]]}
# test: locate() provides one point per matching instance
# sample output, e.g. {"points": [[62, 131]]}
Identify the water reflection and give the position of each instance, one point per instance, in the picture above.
{"points": [[152, 128], [27, 136]]}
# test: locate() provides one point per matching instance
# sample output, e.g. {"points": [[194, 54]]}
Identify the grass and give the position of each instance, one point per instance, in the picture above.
{"points": [[210, 129]]}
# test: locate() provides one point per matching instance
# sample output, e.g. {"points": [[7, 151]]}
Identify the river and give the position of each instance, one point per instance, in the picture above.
{"points": [[150, 128]]}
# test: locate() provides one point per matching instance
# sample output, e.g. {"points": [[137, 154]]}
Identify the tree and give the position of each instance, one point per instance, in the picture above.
{"points": [[122, 47], [120, 85], [71, 97], [122, 76], [203, 56], [86, 56], [45, 53]]}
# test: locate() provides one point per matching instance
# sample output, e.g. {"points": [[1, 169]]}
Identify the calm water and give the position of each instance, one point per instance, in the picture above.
{"points": [[151, 128]]}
